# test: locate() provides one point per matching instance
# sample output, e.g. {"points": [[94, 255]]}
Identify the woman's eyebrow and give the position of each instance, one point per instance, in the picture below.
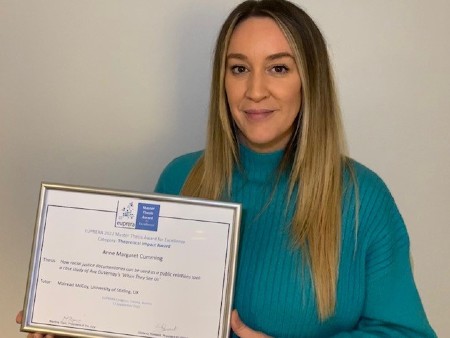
{"points": [[237, 56], [280, 55], [275, 56]]}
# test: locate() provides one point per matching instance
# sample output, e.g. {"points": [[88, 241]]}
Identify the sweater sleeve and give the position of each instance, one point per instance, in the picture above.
{"points": [[392, 306]]}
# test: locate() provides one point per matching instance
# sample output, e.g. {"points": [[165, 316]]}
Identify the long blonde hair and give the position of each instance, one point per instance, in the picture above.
{"points": [[315, 151]]}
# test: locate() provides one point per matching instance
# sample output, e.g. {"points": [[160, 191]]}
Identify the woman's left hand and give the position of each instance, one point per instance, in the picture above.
{"points": [[242, 330]]}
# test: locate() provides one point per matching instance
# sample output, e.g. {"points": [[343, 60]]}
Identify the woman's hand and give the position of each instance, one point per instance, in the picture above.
{"points": [[242, 330], [19, 318]]}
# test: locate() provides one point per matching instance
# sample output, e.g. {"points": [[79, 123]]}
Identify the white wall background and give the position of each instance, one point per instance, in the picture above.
{"points": [[105, 92]]}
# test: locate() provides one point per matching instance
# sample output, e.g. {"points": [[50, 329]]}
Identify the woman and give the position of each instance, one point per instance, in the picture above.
{"points": [[323, 251]]}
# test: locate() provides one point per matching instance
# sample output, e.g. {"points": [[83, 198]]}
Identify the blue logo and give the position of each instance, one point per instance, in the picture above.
{"points": [[147, 217]]}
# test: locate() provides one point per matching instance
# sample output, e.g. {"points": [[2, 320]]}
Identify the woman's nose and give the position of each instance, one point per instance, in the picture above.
{"points": [[256, 87]]}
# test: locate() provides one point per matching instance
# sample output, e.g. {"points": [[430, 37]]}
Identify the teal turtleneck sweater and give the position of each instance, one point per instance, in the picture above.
{"points": [[376, 293]]}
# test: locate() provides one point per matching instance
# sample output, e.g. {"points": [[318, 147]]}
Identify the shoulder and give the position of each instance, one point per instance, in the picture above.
{"points": [[379, 219], [371, 190], [363, 173], [370, 185], [381, 231], [377, 209], [175, 173]]}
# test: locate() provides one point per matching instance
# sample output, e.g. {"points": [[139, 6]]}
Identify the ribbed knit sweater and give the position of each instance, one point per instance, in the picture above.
{"points": [[376, 293]]}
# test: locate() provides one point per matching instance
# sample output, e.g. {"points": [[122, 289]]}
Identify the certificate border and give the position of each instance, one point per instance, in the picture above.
{"points": [[38, 238]]}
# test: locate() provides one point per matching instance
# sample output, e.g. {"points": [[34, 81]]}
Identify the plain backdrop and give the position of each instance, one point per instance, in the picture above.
{"points": [[105, 92]]}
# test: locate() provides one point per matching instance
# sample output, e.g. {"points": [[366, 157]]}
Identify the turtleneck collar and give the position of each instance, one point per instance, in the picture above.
{"points": [[259, 166]]}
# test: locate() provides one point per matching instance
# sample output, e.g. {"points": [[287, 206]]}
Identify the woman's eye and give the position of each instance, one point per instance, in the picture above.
{"points": [[280, 69], [238, 69]]}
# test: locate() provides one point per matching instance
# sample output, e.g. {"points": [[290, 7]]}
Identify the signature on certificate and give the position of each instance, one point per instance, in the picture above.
{"points": [[165, 327], [70, 320]]}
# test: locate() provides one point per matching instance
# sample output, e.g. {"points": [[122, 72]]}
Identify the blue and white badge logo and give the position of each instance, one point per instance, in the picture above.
{"points": [[146, 218]]}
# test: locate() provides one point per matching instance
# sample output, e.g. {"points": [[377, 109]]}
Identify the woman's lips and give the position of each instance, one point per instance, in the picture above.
{"points": [[258, 114]]}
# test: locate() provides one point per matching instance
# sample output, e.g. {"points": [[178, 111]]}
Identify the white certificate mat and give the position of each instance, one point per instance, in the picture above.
{"points": [[117, 264]]}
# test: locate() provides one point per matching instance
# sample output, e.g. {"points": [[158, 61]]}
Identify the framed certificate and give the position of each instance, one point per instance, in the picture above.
{"points": [[118, 264]]}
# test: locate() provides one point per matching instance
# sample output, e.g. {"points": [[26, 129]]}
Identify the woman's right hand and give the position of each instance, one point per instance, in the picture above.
{"points": [[242, 330], [19, 319]]}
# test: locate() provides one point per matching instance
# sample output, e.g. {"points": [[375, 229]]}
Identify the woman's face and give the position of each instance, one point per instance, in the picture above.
{"points": [[263, 85]]}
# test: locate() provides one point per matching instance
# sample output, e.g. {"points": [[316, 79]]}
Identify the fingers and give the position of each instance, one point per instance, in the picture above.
{"points": [[34, 335], [19, 317], [236, 324], [242, 330], [38, 335]]}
